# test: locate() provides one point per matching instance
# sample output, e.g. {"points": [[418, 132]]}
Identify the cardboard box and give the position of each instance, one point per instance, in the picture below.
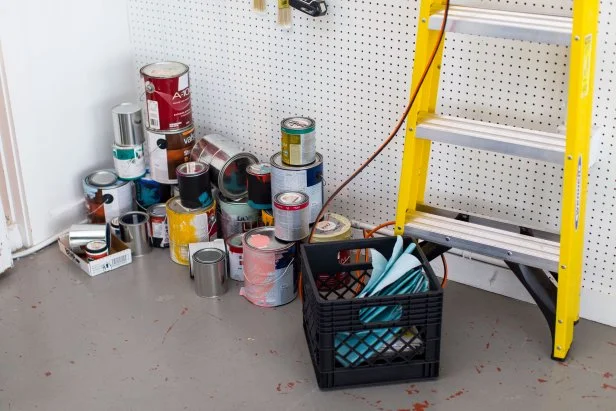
{"points": [[120, 255]]}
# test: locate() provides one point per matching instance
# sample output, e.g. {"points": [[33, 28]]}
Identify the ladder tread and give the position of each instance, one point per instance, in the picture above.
{"points": [[494, 242], [539, 28], [521, 142]]}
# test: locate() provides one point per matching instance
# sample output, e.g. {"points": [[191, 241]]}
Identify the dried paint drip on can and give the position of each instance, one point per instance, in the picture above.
{"points": [[149, 192], [129, 162], [167, 151], [106, 196], [95, 250], [259, 186], [189, 225], [298, 141], [307, 179], [292, 215], [167, 93], [270, 278], [267, 218], [227, 162], [236, 216], [194, 184], [333, 227], [157, 227], [235, 249]]}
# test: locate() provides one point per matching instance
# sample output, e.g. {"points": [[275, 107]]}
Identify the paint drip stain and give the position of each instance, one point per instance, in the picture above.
{"points": [[412, 390], [498, 369], [184, 311], [608, 375], [279, 387], [455, 395], [273, 352], [421, 406], [541, 380], [487, 346], [47, 374], [478, 370], [612, 343], [608, 387]]}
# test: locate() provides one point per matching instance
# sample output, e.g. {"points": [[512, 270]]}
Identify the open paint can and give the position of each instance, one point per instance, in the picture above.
{"points": [[134, 232]]}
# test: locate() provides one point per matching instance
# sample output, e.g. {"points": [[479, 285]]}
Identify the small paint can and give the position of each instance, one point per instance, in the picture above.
{"points": [[236, 216], [95, 250], [127, 124], [167, 93], [157, 226], [267, 218], [333, 227], [298, 141], [106, 196], [259, 180], [167, 151], [149, 192], [292, 215], [236, 257], [270, 275], [189, 225], [194, 184], [114, 224], [227, 162], [80, 235], [209, 267], [307, 179], [129, 161], [134, 232]]}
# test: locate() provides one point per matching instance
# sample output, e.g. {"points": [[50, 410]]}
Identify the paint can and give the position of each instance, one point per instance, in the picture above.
{"points": [[209, 267], [227, 162], [189, 225], [194, 184], [157, 226], [127, 125], [307, 179], [95, 250], [333, 227], [106, 196], [114, 224], [236, 216], [292, 215], [167, 150], [270, 277], [80, 235], [267, 218], [149, 192], [298, 141], [134, 232], [129, 161], [167, 93], [236, 257], [259, 180]]}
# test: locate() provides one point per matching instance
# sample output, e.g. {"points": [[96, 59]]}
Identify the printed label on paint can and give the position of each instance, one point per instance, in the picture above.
{"points": [[153, 116], [286, 180], [236, 265], [189, 226], [129, 161], [167, 151], [299, 149], [121, 201]]}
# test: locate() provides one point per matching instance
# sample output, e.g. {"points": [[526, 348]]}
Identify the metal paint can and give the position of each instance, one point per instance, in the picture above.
{"points": [[236, 257], [292, 215], [95, 250], [106, 196], [167, 151], [236, 216], [134, 232], [267, 218], [307, 179], [333, 227], [167, 93], [129, 161], [299, 146], [270, 277], [127, 124], [80, 235], [209, 267], [227, 162], [259, 179], [189, 225], [194, 184], [115, 226], [149, 192], [157, 226]]}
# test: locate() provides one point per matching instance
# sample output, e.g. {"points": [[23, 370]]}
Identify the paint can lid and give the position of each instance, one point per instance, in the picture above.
{"points": [[291, 199], [208, 256], [276, 161], [96, 247], [259, 169], [298, 125], [102, 178], [192, 169], [333, 227], [164, 69], [263, 239], [115, 222], [157, 210]]}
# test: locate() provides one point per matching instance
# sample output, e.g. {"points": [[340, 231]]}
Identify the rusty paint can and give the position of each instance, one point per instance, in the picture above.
{"points": [[189, 225], [167, 93], [106, 196], [167, 151]]}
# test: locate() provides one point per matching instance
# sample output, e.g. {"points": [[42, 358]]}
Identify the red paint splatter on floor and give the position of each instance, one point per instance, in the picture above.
{"points": [[487, 346], [273, 352], [279, 387], [291, 385], [562, 364], [184, 311], [498, 369], [541, 380], [412, 390], [608, 375], [455, 395], [72, 362], [34, 306], [433, 390], [421, 406], [608, 387], [478, 370], [47, 374], [404, 409], [612, 343]]}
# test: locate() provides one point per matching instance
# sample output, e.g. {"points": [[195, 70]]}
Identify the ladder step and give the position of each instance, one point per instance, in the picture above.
{"points": [[536, 145], [537, 28], [493, 242]]}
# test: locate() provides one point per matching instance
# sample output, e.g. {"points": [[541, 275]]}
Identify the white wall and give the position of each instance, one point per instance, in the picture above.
{"points": [[67, 63]]}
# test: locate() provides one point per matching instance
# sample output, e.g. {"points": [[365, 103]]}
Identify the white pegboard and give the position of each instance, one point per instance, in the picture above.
{"points": [[350, 71]]}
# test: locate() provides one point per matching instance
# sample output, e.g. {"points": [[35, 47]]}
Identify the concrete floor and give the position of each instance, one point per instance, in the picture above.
{"points": [[138, 338]]}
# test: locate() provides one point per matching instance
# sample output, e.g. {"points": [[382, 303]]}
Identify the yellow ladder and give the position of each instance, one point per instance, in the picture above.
{"points": [[534, 256]]}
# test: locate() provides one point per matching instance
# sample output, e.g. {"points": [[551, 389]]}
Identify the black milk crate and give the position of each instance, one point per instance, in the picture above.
{"points": [[405, 349]]}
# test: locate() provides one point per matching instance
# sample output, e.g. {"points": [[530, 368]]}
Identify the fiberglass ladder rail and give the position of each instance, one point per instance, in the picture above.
{"points": [[539, 263]]}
